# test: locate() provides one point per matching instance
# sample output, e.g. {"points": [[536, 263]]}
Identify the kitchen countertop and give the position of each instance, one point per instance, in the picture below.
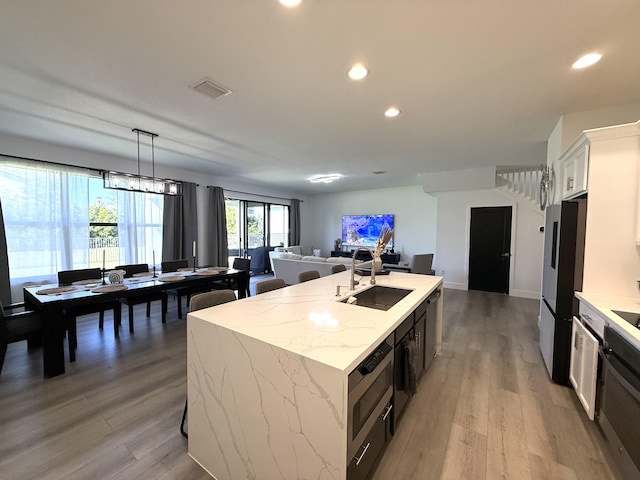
{"points": [[605, 304], [267, 383], [308, 318]]}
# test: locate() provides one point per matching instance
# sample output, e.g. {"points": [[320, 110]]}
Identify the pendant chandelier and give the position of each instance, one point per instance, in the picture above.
{"points": [[141, 183]]}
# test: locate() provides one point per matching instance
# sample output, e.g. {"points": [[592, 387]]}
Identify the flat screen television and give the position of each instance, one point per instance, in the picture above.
{"points": [[364, 230]]}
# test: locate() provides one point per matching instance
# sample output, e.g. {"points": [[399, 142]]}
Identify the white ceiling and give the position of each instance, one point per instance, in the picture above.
{"points": [[479, 83]]}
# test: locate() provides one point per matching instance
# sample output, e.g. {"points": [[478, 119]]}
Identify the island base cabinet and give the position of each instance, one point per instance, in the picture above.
{"points": [[363, 465]]}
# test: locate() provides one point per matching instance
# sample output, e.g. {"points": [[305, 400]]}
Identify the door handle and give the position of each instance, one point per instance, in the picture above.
{"points": [[359, 459], [507, 254], [387, 412]]}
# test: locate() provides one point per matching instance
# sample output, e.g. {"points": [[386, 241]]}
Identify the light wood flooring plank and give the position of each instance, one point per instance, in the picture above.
{"points": [[506, 441], [466, 455]]}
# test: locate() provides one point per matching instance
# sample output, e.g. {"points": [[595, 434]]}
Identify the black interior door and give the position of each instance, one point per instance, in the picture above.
{"points": [[490, 249]]}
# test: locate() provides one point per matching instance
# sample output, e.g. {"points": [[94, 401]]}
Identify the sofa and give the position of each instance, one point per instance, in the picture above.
{"points": [[287, 266], [295, 249]]}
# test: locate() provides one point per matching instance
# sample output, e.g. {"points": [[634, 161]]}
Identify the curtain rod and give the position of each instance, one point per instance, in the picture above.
{"points": [[256, 194], [96, 170]]}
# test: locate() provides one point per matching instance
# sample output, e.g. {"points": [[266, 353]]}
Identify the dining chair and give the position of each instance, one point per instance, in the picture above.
{"points": [[198, 302], [308, 275], [173, 266], [82, 276], [18, 326], [269, 285], [338, 267], [143, 297], [238, 264]]}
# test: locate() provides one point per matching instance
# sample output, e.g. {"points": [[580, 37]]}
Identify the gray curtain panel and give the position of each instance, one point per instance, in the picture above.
{"points": [[172, 228], [217, 228], [294, 222], [5, 285], [180, 224], [190, 219]]}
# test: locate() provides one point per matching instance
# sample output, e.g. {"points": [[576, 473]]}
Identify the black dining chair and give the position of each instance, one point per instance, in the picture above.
{"points": [[198, 302], [18, 326], [238, 264], [173, 266], [82, 276], [143, 297]]}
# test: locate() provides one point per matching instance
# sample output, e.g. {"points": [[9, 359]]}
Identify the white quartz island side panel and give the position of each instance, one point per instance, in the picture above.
{"points": [[260, 411], [267, 376]]}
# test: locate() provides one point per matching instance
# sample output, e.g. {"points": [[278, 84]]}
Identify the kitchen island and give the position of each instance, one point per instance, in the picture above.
{"points": [[267, 375]]}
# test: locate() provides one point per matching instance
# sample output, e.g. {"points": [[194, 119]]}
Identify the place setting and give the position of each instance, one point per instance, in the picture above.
{"points": [[56, 290]]}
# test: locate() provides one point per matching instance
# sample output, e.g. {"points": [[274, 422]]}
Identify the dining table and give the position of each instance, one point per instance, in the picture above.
{"points": [[54, 301]]}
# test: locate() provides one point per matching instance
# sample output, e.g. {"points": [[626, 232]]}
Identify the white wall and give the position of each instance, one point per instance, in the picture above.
{"points": [[414, 217], [452, 242]]}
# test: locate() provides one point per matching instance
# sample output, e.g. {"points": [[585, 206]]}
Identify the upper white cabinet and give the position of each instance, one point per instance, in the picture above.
{"points": [[575, 169]]}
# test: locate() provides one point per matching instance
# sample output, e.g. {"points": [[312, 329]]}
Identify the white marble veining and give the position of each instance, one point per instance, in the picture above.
{"points": [[267, 376], [308, 318], [605, 304]]}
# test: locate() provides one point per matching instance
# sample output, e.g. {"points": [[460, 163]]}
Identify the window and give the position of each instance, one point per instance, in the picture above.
{"points": [[61, 218], [103, 225]]}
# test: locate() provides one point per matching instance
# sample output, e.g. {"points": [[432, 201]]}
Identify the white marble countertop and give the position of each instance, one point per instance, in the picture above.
{"points": [[605, 304], [308, 319]]}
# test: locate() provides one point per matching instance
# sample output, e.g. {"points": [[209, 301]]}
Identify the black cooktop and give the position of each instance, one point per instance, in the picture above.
{"points": [[632, 318]]}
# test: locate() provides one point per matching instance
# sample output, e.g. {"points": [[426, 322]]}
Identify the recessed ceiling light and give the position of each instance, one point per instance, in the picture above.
{"points": [[358, 72], [324, 178], [290, 3], [392, 112], [587, 60]]}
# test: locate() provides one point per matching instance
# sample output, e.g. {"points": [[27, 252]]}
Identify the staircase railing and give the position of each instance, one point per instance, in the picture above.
{"points": [[523, 181]]}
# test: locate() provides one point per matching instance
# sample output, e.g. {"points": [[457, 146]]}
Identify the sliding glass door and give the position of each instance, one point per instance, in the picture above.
{"points": [[252, 225], [235, 228], [255, 215], [278, 225]]}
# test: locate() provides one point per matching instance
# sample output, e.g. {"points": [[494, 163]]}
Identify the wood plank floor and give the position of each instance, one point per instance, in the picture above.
{"points": [[485, 408]]}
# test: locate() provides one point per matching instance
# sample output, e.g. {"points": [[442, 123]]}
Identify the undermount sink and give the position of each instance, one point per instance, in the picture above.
{"points": [[378, 297]]}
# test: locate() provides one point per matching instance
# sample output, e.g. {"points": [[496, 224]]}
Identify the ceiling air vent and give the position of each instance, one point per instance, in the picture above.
{"points": [[210, 88], [380, 172]]}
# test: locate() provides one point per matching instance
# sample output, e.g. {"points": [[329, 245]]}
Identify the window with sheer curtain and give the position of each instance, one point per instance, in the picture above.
{"points": [[47, 221]]}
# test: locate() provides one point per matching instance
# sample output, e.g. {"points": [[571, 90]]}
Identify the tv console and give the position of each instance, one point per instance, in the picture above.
{"points": [[364, 255]]}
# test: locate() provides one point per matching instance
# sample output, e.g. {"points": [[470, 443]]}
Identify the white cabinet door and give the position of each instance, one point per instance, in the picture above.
{"points": [[576, 360], [584, 366], [575, 169]]}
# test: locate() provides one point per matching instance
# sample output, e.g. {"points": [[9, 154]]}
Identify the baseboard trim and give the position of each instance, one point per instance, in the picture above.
{"points": [[455, 285], [525, 294]]}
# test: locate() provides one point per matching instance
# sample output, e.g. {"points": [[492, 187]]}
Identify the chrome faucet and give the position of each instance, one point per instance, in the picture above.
{"points": [[353, 283]]}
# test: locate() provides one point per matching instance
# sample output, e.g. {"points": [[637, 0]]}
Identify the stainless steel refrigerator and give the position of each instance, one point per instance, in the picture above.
{"points": [[561, 276]]}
